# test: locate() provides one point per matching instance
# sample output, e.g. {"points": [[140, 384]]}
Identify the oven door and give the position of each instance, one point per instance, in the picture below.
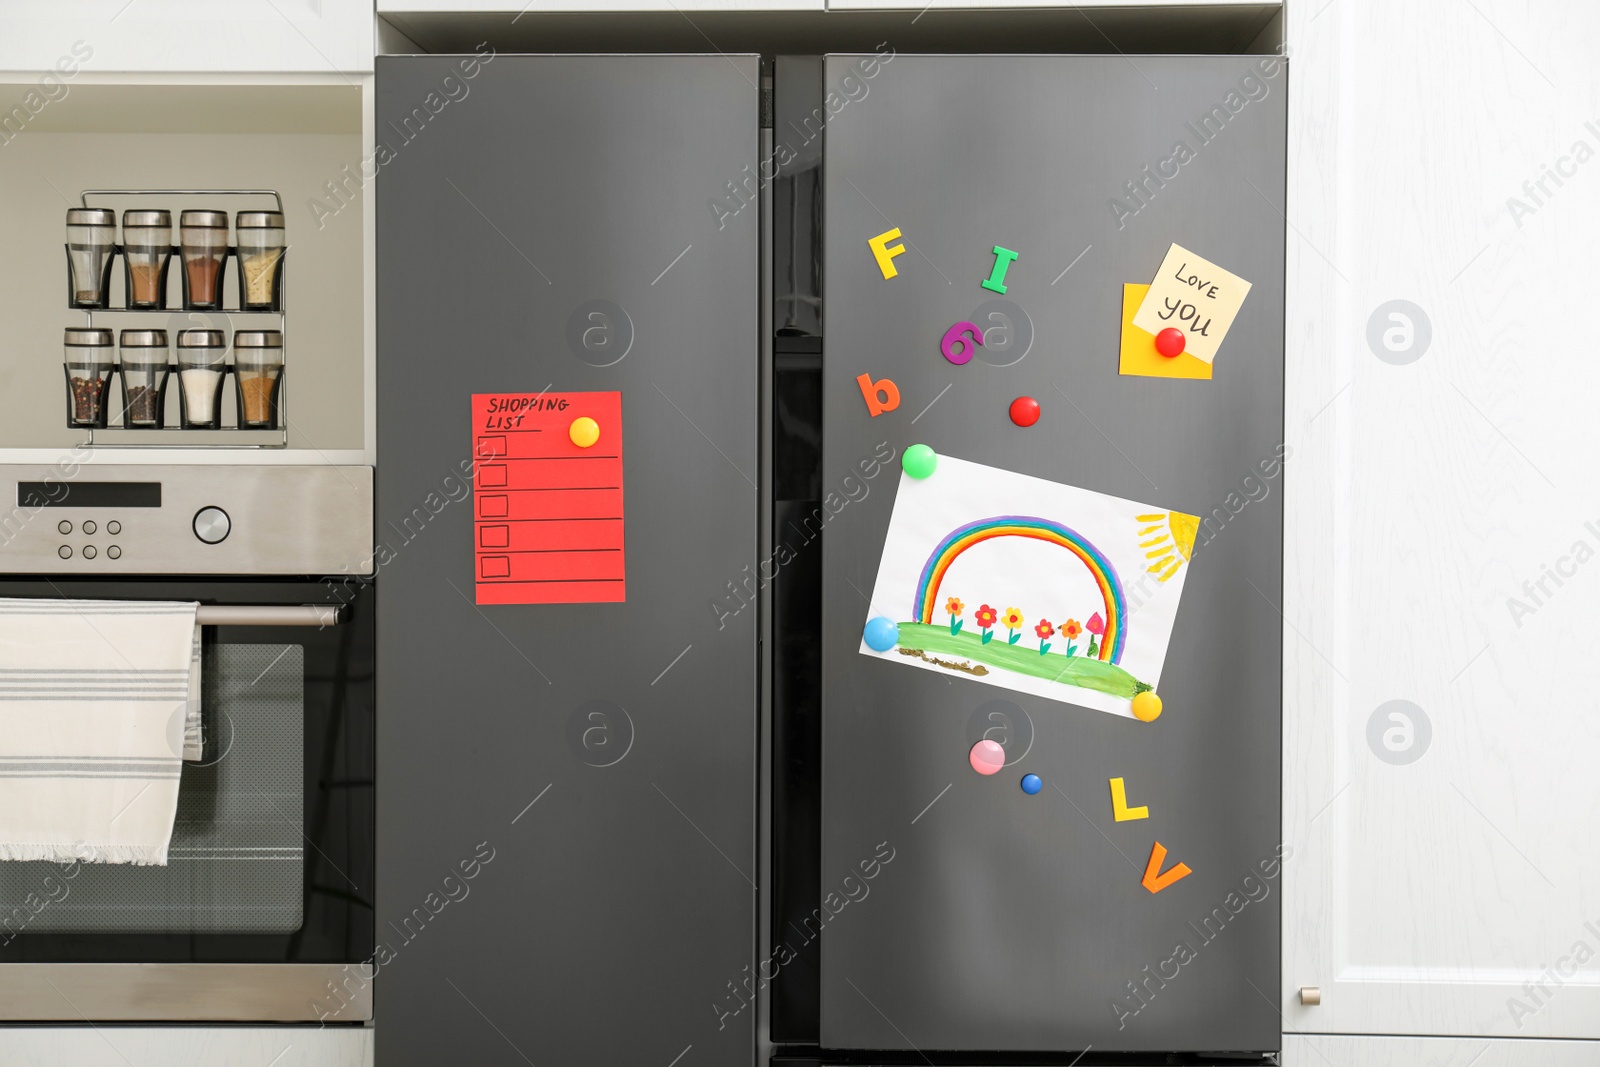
{"points": [[264, 910]]}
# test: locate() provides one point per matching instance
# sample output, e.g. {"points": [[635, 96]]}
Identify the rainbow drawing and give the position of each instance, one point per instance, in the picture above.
{"points": [[964, 537]]}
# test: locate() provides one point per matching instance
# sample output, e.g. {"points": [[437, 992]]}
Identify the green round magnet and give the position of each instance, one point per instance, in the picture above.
{"points": [[919, 461]]}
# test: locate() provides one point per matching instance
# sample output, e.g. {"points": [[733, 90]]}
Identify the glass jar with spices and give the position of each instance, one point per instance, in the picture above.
{"points": [[202, 368], [89, 365], [203, 241], [258, 376], [144, 379], [146, 250], [91, 240], [261, 247]]}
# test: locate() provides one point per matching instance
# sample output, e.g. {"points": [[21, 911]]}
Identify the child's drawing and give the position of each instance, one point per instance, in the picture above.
{"points": [[1032, 585]]}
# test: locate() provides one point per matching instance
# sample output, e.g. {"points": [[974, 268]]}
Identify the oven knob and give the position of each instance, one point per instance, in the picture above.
{"points": [[211, 525]]}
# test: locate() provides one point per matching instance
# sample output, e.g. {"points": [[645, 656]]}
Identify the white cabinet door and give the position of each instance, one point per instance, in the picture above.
{"points": [[189, 35], [1324, 1051], [1442, 522]]}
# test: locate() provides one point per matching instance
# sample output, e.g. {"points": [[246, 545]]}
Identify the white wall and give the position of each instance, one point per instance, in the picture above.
{"points": [[1425, 896]]}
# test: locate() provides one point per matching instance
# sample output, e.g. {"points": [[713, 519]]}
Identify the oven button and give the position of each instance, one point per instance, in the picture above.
{"points": [[89, 527], [65, 551], [113, 527], [211, 525], [114, 552], [64, 526], [88, 552]]}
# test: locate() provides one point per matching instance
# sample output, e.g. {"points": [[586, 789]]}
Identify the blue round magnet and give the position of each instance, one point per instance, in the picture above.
{"points": [[882, 634], [1031, 784]]}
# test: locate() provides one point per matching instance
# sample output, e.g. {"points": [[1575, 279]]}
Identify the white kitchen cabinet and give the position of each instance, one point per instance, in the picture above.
{"points": [[516, 8], [307, 136], [1079, 9], [314, 36], [1441, 529], [161, 1046], [1324, 1050]]}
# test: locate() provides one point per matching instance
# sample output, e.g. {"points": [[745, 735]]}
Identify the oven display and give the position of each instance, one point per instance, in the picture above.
{"points": [[89, 494]]}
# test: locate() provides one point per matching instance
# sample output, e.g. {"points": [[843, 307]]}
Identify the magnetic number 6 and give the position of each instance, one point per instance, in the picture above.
{"points": [[959, 342]]}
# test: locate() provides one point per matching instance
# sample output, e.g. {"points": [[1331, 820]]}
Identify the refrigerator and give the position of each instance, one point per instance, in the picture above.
{"points": [[1011, 922], [544, 236], [723, 831]]}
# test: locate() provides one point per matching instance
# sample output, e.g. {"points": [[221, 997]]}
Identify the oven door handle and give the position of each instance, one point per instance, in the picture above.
{"points": [[318, 615]]}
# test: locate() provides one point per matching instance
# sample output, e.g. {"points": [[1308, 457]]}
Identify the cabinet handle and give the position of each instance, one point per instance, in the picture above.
{"points": [[1310, 995]]}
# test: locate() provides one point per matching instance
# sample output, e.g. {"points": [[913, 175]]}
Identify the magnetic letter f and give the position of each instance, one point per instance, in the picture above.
{"points": [[884, 252]]}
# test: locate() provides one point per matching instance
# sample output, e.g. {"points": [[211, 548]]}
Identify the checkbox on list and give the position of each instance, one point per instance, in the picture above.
{"points": [[494, 537]]}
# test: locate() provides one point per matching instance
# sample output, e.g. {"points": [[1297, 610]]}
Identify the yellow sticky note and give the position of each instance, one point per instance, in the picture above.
{"points": [[1139, 355], [1119, 804], [1194, 295]]}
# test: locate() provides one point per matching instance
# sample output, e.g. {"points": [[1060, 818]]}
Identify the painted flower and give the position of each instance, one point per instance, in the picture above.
{"points": [[1013, 620], [1070, 629], [1096, 625], [986, 617], [1044, 629], [954, 606]]}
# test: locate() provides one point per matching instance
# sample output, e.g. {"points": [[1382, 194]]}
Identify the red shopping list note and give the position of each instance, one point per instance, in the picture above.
{"points": [[547, 518]]}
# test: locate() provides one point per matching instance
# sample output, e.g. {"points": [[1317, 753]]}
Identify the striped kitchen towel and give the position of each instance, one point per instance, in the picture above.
{"points": [[96, 698]]}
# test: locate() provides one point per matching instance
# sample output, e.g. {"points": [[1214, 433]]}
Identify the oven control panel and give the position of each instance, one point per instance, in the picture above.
{"points": [[211, 519]]}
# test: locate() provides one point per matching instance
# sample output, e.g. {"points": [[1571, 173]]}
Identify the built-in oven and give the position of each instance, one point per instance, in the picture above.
{"points": [[264, 910]]}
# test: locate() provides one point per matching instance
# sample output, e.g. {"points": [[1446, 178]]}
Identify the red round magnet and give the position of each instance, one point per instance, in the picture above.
{"points": [[1024, 411], [1170, 342]]}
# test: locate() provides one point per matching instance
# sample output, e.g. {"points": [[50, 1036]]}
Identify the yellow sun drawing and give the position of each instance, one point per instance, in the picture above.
{"points": [[1168, 541]]}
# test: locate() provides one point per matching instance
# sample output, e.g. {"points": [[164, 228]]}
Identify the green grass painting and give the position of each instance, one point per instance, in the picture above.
{"points": [[1081, 671]]}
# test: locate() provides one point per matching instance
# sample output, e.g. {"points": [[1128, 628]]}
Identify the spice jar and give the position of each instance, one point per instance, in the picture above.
{"points": [[144, 379], [91, 239], [89, 363], [258, 376], [146, 250], [260, 235], [203, 242], [202, 368]]}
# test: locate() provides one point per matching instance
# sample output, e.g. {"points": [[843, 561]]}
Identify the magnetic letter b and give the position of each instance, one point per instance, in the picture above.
{"points": [[882, 395]]}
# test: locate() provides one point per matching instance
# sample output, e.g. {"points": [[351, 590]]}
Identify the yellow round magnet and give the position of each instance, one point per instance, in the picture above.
{"points": [[584, 432], [1146, 706]]}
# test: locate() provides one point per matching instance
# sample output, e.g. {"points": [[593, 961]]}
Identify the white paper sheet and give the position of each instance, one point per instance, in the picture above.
{"points": [[1056, 553]]}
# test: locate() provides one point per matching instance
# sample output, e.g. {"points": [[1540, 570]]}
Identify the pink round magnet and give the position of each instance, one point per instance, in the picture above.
{"points": [[987, 757]]}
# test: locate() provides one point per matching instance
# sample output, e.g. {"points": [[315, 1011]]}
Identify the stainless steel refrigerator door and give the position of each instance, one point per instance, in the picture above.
{"points": [[591, 765], [1007, 921]]}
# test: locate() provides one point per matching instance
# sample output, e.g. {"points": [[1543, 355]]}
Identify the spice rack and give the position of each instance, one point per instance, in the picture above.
{"points": [[127, 437]]}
